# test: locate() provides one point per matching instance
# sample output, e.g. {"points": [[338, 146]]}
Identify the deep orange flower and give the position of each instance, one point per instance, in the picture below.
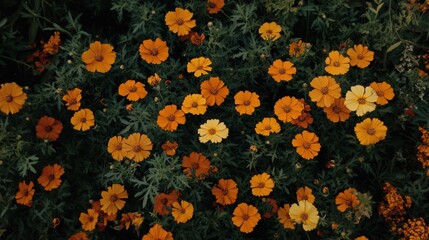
{"points": [[199, 66], [50, 178], [246, 217], [270, 31], [154, 52], [88, 220], [246, 102], [384, 92], [116, 149], [337, 111], [284, 217], [12, 98], [214, 91], [272, 209], [360, 56], [83, 119], [182, 212], [214, 6], [347, 199], [103, 218], [225, 191], [307, 144], [267, 126], [337, 63], [180, 21], [53, 44], [261, 184], [297, 48], [48, 128], [79, 236], [305, 193], [72, 99], [370, 131], [197, 39], [133, 90], [304, 120], [138, 147], [170, 117], [163, 202], [170, 148], [154, 79], [158, 233], [25, 194], [99, 57], [194, 104], [282, 70], [325, 91], [196, 164], [288, 108], [112, 200]]}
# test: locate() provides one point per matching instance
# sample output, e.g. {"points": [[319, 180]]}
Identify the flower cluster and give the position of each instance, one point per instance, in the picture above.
{"points": [[423, 149], [393, 208]]}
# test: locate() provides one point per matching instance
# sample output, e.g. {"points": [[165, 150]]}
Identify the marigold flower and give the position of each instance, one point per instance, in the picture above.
{"points": [[214, 91], [325, 91], [163, 202], [213, 130], [414, 228], [182, 212], [116, 149], [51, 177], [180, 21], [246, 217], [157, 233], [25, 194], [170, 148], [305, 193], [304, 120], [154, 79], [99, 57], [282, 70], [261, 184], [83, 119], [267, 126], [272, 209], [288, 108], [48, 128], [112, 200], [297, 48], [384, 92], [360, 56], [214, 6], [197, 39], [138, 147], [347, 199], [72, 99], [12, 98], [194, 104], [270, 31], [170, 117], [246, 102], [79, 236], [360, 99], [337, 63], [196, 164], [53, 44], [394, 207], [133, 90], [307, 144], [88, 220], [225, 191], [337, 112], [104, 218], [284, 217], [199, 66], [306, 213], [128, 219], [154, 52], [370, 131]]}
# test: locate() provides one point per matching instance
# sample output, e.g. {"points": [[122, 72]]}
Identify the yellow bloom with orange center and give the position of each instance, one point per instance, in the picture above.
{"points": [[133, 90], [305, 213], [12, 98], [361, 99], [261, 184], [112, 200], [199, 66], [384, 92], [170, 117], [288, 108], [99, 57], [370, 131], [282, 70], [180, 21], [270, 31], [325, 91], [305, 193], [246, 102], [337, 63], [267, 126], [360, 56], [194, 104], [72, 99], [138, 147], [182, 212], [307, 144], [246, 217], [213, 130], [284, 217], [83, 119], [214, 91], [154, 52]]}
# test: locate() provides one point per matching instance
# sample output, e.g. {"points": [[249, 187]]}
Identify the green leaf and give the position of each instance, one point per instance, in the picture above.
{"points": [[394, 46]]}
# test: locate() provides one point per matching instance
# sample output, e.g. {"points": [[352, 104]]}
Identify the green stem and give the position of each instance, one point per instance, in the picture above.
{"points": [[16, 61]]}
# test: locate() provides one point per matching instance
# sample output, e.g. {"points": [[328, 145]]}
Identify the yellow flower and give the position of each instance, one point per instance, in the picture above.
{"points": [[213, 130], [337, 63], [270, 31], [180, 21], [199, 66], [360, 99], [306, 213], [12, 98], [370, 131], [360, 56]]}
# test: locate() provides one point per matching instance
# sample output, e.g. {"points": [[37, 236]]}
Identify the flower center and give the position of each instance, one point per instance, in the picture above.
{"points": [[261, 185], [306, 145], [212, 131], [301, 118], [154, 51], [90, 219], [164, 201], [370, 131], [51, 177], [179, 21], [132, 89], [360, 57], [348, 202], [361, 100], [380, 93], [48, 128], [25, 192], [99, 58], [246, 103], [304, 216], [297, 49], [182, 211], [336, 64], [336, 109], [286, 109], [73, 101], [113, 198], [171, 118], [118, 147], [212, 5], [213, 91], [9, 98], [324, 90], [194, 104], [245, 217], [269, 32], [268, 127], [199, 67], [225, 192], [83, 120], [137, 148], [195, 165], [282, 71], [305, 197]]}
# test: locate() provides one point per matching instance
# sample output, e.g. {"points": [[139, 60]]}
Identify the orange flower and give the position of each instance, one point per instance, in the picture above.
{"points": [[99, 57], [48, 128], [154, 52], [53, 44], [170, 148], [297, 48], [214, 91], [225, 191], [261, 184], [180, 21], [50, 178], [337, 111], [270, 31], [305, 193], [154, 79], [158, 233], [246, 217], [79, 236], [170, 117], [307, 144], [196, 164], [361, 238], [194, 104], [246, 102], [347, 199], [12, 98], [325, 91], [112, 200], [197, 39], [25, 194], [131, 218], [360, 56], [384, 92], [370, 131], [267, 126], [89, 220], [284, 217], [304, 120], [199, 66], [133, 90], [72, 99], [104, 218], [282, 71], [83, 119], [182, 212], [337, 63], [288, 108], [272, 207], [214, 6], [163, 202], [138, 147], [115, 148]]}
